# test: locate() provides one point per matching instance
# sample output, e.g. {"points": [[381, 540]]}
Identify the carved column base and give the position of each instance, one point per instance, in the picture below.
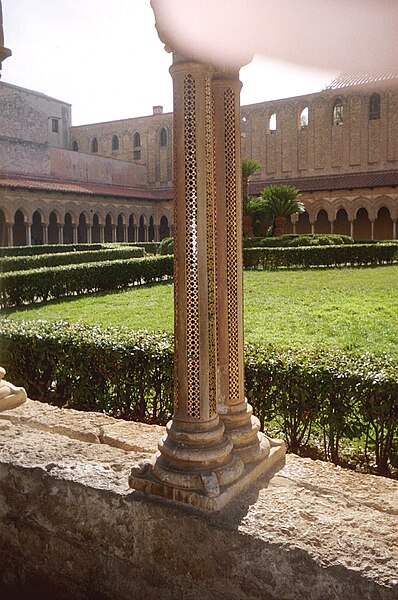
{"points": [[10, 396], [201, 468], [244, 430]]}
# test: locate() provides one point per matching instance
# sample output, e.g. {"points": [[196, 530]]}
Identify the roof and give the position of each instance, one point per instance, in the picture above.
{"points": [[85, 188], [349, 79], [333, 182]]}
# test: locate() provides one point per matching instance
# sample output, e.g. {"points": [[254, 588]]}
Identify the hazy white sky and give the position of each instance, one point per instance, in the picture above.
{"points": [[105, 58]]}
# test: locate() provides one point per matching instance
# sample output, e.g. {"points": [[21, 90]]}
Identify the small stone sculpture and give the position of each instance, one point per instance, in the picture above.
{"points": [[10, 395]]}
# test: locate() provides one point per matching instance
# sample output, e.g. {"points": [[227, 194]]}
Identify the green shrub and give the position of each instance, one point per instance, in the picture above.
{"points": [[320, 256], [166, 246], [130, 374], [46, 249], [22, 263], [37, 285]]}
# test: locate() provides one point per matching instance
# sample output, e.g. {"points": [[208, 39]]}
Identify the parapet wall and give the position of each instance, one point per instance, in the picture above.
{"points": [[71, 527]]}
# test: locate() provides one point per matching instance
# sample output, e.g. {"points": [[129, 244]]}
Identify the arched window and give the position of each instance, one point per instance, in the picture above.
{"points": [[374, 107], [115, 143], [338, 113], [137, 146], [94, 145], [163, 137], [75, 146], [304, 118], [272, 122]]}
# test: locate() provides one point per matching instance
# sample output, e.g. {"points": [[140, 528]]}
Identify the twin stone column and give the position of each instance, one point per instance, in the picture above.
{"points": [[204, 459]]}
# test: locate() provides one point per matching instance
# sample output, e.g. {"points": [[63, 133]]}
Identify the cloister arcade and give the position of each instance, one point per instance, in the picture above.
{"points": [[74, 223]]}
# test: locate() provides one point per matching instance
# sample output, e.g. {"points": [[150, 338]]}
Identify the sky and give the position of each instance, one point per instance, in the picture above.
{"points": [[105, 58]]}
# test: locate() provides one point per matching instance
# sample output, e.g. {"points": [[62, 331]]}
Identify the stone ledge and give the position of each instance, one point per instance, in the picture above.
{"points": [[70, 522]]}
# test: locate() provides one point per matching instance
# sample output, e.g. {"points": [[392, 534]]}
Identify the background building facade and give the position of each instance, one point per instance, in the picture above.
{"points": [[113, 181]]}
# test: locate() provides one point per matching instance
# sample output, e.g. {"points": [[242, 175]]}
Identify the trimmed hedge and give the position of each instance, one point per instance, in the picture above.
{"points": [[22, 263], [38, 285], [298, 239], [46, 249], [317, 256], [130, 374]]}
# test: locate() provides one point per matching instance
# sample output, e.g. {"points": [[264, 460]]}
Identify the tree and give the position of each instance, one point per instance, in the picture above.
{"points": [[280, 202], [249, 167]]}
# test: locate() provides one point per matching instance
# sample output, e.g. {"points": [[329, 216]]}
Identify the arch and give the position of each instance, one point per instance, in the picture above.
{"points": [[272, 122], [96, 230], [303, 118], [322, 223], [75, 146], [374, 107], [19, 229], [362, 227], [342, 225], [163, 137], [82, 229], [120, 229], [383, 227], [37, 228], [164, 229], [131, 229], [3, 229], [108, 229], [68, 229], [53, 229], [303, 224], [115, 143], [338, 112], [94, 145]]}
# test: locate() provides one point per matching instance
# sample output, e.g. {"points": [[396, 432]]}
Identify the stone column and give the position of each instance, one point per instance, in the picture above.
{"points": [[331, 226], [60, 233], [372, 230], [394, 229], [28, 229], [196, 459], [312, 227], [102, 234], [10, 234], [235, 412], [124, 232], [113, 232], [45, 233], [352, 229], [89, 233], [157, 233], [74, 233]]}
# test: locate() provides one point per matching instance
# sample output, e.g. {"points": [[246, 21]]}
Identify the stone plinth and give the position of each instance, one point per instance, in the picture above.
{"points": [[72, 528]]}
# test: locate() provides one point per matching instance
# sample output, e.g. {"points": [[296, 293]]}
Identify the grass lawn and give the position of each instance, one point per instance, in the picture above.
{"points": [[351, 309]]}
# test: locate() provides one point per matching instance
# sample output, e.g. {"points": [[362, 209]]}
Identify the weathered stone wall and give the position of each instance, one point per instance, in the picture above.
{"points": [[71, 528]]}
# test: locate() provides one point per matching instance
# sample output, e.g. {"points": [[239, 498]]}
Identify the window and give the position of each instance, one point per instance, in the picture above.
{"points": [[338, 113], [272, 123], [374, 107], [55, 125], [163, 137], [115, 143], [304, 118], [75, 146], [94, 145], [137, 146]]}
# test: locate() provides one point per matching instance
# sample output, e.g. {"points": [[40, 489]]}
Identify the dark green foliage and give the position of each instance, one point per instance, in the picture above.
{"points": [[320, 256], [166, 246], [47, 249], [130, 374], [295, 239], [37, 285], [22, 263]]}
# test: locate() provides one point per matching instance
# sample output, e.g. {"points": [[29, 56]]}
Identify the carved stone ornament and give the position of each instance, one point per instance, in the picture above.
{"points": [[10, 395]]}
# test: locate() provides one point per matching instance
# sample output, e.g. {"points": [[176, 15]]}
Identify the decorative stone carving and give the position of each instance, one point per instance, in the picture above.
{"points": [[10, 395]]}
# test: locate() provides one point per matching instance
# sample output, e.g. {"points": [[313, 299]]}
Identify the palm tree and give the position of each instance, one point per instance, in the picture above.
{"points": [[280, 202], [249, 167]]}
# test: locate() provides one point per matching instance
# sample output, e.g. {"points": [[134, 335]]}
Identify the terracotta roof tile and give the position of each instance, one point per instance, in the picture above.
{"points": [[333, 182], [91, 189]]}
